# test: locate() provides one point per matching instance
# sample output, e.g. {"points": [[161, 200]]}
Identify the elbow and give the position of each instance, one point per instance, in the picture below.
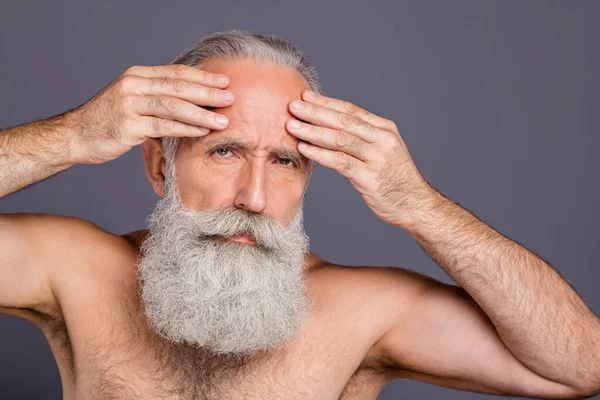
{"points": [[588, 381], [588, 387]]}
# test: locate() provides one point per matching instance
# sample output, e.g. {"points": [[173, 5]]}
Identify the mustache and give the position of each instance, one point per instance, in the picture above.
{"points": [[214, 224]]}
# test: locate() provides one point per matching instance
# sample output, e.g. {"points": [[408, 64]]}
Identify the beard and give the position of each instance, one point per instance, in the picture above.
{"points": [[232, 298]]}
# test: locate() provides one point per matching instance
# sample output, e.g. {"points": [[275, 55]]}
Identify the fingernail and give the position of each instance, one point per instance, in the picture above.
{"points": [[221, 120], [222, 79], [227, 96], [294, 124], [203, 129], [297, 105]]}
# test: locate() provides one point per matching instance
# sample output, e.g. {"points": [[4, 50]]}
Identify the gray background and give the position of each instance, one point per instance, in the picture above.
{"points": [[497, 102]]}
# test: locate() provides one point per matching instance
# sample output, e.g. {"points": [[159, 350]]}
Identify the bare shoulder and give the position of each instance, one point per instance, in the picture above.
{"points": [[46, 251], [91, 256], [375, 297], [372, 287], [53, 231], [75, 241]]}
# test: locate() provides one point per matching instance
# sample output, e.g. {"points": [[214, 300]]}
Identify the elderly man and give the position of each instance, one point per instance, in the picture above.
{"points": [[220, 297]]}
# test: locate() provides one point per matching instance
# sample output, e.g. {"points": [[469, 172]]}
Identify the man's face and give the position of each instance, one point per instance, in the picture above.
{"points": [[198, 285], [254, 163]]}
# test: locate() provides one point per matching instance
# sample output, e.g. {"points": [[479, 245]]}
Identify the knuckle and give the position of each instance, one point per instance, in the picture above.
{"points": [[179, 69], [346, 119], [156, 102], [345, 164], [320, 134], [357, 146], [204, 115], [179, 85], [152, 82], [209, 77], [162, 126], [214, 94], [153, 70], [163, 81], [361, 123], [368, 127], [132, 70], [169, 125], [126, 83], [341, 139], [309, 129], [390, 142], [172, 105], [154, 125], [391, 125], [350, 107]]}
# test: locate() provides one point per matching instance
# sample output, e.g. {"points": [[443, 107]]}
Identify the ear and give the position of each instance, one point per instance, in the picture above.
{"points": [[154, 163]]}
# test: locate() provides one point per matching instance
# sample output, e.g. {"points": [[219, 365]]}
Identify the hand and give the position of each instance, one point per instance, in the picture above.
{"points": [[365, 148], [145, 101]]}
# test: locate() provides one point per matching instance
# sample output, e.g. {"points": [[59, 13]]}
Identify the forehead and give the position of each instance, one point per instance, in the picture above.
{"points": [[262, 91]]}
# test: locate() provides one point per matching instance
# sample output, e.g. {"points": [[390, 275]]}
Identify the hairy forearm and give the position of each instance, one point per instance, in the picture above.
{"points": [[540, 318], [32, 152]]}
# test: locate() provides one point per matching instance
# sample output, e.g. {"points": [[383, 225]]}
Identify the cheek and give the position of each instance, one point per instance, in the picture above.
{"points": [[203, 189], [285, 196]]}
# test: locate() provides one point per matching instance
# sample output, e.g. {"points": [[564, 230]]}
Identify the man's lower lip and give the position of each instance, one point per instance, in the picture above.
{"points": [[242, 238]]}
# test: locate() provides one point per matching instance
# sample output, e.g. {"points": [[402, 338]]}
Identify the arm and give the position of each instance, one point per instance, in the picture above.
{"points": [[540, 319], [32, 152], [32, 248], [28, 242], [144, 102], [552, 338], [437, 333]]}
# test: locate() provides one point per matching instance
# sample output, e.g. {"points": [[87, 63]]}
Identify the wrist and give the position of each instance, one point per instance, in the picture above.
{"points": [[46, 141], [424, 202], [70, 127]]}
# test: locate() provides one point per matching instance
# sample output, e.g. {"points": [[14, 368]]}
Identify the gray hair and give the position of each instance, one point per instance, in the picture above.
{"points": [[237, 45]]}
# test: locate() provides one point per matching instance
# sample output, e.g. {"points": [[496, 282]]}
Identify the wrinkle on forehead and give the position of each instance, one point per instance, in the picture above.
{"points": [[262, 91]]}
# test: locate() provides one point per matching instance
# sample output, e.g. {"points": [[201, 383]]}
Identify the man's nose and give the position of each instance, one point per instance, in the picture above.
{"points": [[251, 193]]}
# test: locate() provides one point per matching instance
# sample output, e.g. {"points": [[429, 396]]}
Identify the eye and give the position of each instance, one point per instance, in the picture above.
{"points": [[221, 150], [287, 161]]}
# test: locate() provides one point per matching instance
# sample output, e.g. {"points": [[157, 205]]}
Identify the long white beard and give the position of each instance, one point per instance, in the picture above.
{"points": [[225, 296]]}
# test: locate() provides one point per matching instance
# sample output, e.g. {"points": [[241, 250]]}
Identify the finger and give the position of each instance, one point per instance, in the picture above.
{"points": [[180, 110], [179, 71], [186, 90], [158, 127], [343, 163], [323, 116], [330, 138], [347, 107]]}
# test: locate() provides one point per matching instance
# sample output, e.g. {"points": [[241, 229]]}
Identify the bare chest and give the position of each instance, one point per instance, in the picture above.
{"points": [[109, 352], [181, 373]]}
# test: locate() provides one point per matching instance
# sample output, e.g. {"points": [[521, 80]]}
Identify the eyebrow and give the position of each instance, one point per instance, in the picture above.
{"points": [[234, 144]]}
